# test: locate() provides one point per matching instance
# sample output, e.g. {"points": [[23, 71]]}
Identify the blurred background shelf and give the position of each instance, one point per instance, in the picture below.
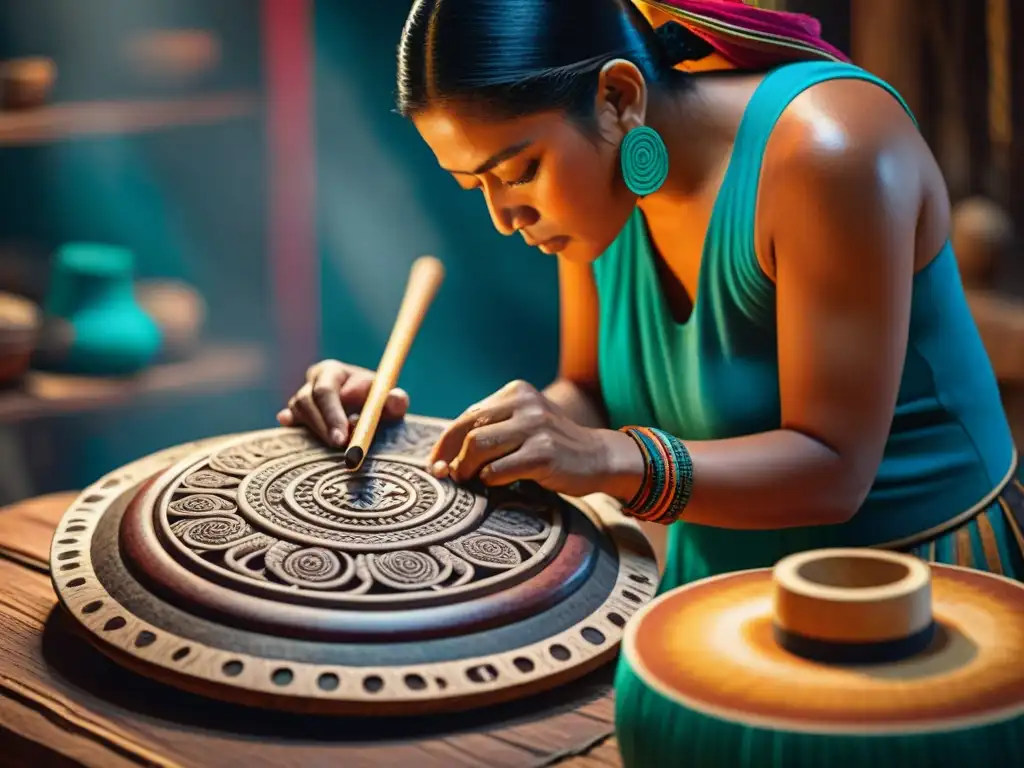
{"points": [[77, 120], [213, 369]]}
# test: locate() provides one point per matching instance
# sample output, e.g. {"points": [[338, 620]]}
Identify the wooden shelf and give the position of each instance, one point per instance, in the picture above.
{"points": [[213, 369], [77, 120]]}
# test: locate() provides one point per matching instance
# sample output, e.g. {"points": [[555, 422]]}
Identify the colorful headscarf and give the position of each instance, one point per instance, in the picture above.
{"points": [[748, 37]]}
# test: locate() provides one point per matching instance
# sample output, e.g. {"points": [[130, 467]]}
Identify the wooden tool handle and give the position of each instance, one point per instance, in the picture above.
{"points": [[425, 278]]}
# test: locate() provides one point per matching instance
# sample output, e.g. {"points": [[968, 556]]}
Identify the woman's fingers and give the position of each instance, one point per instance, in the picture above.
{"points": [[327, 389], [306, 411], [449, 445], [397, 404], [524, 464], [483, 445], [332, 394]]}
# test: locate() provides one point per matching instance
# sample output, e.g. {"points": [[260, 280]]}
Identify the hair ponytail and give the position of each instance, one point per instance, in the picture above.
{"points": [[679, 44]]}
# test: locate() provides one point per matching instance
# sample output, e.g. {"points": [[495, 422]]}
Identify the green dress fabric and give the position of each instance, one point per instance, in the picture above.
{"points": [[716, 376]]}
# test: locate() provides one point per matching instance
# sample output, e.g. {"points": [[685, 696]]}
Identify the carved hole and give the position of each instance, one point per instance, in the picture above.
{"points": [[282, 676], [592, 636], [441, 683], [74, 528], [115, 623], [111, 483], [76, 582], [482, 673], [639, 578], [524, 665], [69, 566], [328, 681], [69, 554], [144, 638], [93, 498], [415, 682], [92, 607], [617, 620], [233, 668], [373, 684], [632, 596], [180, 654], [68, 541], [559, 652]]}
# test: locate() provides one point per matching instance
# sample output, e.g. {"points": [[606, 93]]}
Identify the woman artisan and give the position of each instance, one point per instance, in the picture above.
{"points": [[765, 343]]}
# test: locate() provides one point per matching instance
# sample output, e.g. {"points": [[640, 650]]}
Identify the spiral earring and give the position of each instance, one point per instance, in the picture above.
{"points": [[644, 160]]}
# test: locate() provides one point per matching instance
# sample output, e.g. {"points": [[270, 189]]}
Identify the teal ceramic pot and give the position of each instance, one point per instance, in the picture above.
{"points": [[92, 291]]}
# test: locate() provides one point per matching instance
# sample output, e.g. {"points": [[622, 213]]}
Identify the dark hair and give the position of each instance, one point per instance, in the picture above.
{"points": [[519, 57]]}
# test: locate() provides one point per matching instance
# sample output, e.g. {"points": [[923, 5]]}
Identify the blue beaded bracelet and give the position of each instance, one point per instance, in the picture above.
{"points": [[668, 476]]}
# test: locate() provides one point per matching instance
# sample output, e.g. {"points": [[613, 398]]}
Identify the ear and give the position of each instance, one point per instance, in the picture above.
{"points": [[621, 99]]}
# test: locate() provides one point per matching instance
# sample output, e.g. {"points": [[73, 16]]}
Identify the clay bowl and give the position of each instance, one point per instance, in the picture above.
{"points": [[178, 310], [26, 83], [20, 321]]}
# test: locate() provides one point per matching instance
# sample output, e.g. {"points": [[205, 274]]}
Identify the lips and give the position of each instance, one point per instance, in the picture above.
{"points": [[550, 245], [554, 244]]}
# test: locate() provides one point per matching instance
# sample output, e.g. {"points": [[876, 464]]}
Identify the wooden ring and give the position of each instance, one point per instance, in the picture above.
{"points": [[846, 605]]}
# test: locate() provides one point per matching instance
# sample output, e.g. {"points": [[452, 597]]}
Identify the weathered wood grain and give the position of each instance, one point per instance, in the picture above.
{"points": [[64, 703]]}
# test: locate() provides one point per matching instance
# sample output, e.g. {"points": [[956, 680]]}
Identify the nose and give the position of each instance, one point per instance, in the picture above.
{"points": [[507, 216]]}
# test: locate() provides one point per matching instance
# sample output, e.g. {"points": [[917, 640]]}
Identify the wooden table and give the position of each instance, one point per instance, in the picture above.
{"points": [[62, 703]]}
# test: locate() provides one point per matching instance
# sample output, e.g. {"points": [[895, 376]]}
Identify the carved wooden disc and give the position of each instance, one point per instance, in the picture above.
{"points": [[258, 568]]}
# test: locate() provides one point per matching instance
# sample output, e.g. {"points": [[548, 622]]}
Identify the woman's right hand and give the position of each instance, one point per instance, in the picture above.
{"points": [[332, 395]]}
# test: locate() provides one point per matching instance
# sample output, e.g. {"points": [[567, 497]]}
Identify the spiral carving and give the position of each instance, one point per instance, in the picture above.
{"points": [[488, 551], [311, 567], [209, 479], [202, 505], [517, 524], [407, 569], [218, 532], [644, 160]]}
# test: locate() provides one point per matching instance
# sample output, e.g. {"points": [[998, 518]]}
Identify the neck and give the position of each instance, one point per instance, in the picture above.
{"points": [[697, 139]]}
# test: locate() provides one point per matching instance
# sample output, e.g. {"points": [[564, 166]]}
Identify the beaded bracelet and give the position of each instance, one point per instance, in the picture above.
{"points": [[668, 476]]}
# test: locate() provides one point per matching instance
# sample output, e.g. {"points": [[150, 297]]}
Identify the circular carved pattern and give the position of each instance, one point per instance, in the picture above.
{"points": [[202, 505], [282, 516], [155, 643], [406, 569], [206, 533]]}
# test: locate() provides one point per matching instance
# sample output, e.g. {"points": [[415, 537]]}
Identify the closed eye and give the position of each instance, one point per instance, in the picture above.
{"points": [[528, 176]]}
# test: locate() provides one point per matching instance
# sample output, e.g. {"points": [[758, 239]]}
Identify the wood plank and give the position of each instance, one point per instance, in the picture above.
{"points": [[604, 755], [26, 529], [56, 122], [550, 736], [212, 369]]}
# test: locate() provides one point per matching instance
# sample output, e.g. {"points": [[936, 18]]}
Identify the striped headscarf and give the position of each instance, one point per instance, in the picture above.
{"points": [[744, 36]]}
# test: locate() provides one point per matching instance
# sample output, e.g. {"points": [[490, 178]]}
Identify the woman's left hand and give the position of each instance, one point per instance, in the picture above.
{"points": [[518, 434]]}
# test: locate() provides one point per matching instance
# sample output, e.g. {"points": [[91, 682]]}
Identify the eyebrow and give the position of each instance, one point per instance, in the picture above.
{"points": [[496, 159]]}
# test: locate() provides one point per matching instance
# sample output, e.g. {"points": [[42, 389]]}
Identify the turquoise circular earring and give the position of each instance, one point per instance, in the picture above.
{"points": [[644, 159]]}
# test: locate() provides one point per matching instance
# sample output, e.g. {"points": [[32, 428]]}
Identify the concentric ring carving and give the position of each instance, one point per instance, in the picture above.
{"points": [[283, 516], [157, 648]]}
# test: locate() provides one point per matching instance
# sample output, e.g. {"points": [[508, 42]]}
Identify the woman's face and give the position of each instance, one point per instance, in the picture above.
{"points": [[541, 177]]}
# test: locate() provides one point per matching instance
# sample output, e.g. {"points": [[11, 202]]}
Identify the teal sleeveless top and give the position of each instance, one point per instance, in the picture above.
{"points": [[716, 375]]}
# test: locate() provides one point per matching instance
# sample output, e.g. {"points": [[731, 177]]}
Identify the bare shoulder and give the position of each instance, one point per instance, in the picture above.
{"points": [[847, 149], [848, 130]]}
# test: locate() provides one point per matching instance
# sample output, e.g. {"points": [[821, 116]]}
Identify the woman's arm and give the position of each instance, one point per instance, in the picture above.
{"points": [[576, 389], [843, 248]]}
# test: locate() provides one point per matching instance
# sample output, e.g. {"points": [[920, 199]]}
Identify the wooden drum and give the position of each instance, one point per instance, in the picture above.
{"points": [[259, 569], [833, 658]]}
